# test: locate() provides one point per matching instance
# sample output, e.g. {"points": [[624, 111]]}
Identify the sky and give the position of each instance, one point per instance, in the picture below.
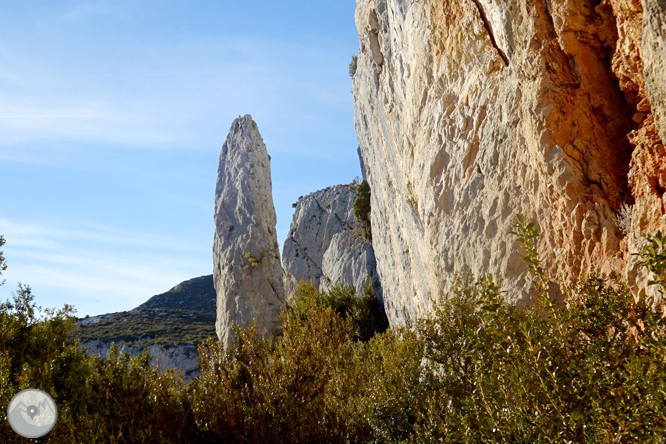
{"points": [[112, 116]]}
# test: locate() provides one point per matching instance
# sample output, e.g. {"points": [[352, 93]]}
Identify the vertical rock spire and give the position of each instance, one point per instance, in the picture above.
{"points": [[246, 260]]}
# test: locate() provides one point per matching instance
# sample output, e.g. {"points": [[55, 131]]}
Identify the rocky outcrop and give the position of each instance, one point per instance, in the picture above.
{"points": [[181, 357], [471, 111], [246, 262], [325, 245]]}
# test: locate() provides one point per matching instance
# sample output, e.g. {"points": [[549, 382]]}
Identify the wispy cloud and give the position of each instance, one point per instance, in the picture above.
{"points": [[153, 101], [95, 268]]}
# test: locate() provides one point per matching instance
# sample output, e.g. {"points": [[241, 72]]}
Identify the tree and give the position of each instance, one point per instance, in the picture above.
{"points": [[3, 262]]}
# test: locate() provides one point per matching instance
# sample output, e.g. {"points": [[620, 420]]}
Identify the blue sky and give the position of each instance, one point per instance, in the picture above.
{"points": [[112, 115]]}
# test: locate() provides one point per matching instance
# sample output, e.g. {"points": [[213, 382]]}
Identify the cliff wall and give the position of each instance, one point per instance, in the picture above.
{"points": [[325, 245], [183, 357], [471, 111]]}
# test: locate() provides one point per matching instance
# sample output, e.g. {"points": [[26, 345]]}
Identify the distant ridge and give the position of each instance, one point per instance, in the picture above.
{"points": [[183, 315], [193, 294]]}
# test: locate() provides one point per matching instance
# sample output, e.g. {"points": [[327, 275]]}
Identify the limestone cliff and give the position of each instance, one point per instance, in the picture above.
{"points": [[324, 243], [470, 111], [246, 262], [183, 357]]}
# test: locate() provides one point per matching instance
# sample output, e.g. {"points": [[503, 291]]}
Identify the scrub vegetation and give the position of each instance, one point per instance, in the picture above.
{"points": [[150, 326], [589, 369]]}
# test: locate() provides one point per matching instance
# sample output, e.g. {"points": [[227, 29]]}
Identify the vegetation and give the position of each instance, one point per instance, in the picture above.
{"points": [[589, 369], [653, 256], [120, 400], [362, 209], [623, 218], [153, 326], [353, 65], [253, 261], [3, 262], [364, 313]]}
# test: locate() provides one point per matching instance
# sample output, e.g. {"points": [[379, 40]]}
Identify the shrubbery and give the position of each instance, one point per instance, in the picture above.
{"points": [[120, 400], [352, 66], [362, 209], [589, 369], [363, 312]]}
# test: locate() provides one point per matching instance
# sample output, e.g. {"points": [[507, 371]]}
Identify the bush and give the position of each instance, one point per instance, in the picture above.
{"points": [[315, 383], [121, 399], [353, 65], [364, 312], [589, 369], [290, 391], [362, 209]]}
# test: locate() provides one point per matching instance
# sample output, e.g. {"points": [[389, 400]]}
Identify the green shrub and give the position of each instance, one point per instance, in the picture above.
{"points": [[364, 311], [288, 391], [653, 256], [353, 65], [121, 399], [589, 369], [362, 209]]}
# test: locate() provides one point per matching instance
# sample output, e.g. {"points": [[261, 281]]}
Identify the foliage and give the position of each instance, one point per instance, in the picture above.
{"points": [[315, 383], [623, 218], [353, 186], [150, 326], [282, 392], [653, 256], [364, 312], [528, 235], [253, 261], [362, 209], [3, 262], [591, 369], [121, 399], [353, 66]]}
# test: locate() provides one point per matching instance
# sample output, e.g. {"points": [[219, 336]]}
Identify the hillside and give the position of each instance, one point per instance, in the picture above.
{"points": [[183, 315]]}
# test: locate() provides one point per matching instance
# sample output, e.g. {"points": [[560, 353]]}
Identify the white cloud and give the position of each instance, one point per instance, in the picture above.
{"points": [[97, 269]]}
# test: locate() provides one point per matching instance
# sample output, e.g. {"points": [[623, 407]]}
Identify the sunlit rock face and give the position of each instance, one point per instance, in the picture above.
{"points": [[181, 357], [246, 262], [325, 245], [468, 112]]}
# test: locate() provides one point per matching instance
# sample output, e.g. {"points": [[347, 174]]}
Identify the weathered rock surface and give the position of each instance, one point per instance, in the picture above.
{"points": [[471, 111], [246, 261], [653, 46], [165, 357], [324, 243]]}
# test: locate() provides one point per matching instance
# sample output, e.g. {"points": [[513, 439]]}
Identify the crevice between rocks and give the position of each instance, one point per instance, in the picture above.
{"points": [[491, 34]]}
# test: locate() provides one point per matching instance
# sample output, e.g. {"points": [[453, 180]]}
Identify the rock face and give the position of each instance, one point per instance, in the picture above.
{"points": [[246, 261], [471, 111], [324, 243], [164, 357], [653, 46]]}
